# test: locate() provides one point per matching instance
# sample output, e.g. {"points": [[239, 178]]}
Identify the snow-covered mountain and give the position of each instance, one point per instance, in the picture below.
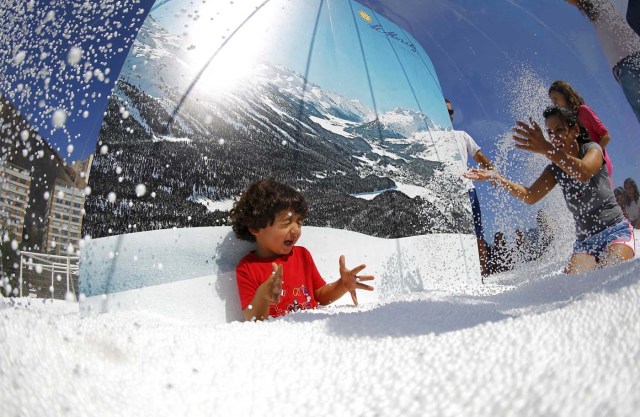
{"points": [[292, 84], [272, 123], [395, 124], [158, 52]]}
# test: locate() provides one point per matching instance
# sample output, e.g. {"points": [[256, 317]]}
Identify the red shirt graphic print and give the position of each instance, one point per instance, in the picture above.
{"points": [[299, 280]]}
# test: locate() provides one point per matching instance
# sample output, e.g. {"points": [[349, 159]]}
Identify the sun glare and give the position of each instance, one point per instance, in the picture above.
{"points": [[227, 56]]}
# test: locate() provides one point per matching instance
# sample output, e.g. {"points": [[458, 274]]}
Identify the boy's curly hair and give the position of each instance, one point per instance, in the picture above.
{"points": [[259, 204]]}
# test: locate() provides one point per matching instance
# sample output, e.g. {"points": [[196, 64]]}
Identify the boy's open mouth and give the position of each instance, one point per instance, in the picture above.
{"points": [[288, 242]]}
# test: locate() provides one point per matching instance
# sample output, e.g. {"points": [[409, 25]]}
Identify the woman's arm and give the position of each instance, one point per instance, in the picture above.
{"points": [[604, 140], [529, 137], [529, 195], [581, 169]]}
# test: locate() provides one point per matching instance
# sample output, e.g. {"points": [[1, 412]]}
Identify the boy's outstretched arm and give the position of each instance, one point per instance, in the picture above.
{"points": [[267, 293], [349, 281]]}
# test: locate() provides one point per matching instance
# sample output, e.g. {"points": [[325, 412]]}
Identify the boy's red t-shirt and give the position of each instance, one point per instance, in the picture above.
{"points": [[300, 278]]}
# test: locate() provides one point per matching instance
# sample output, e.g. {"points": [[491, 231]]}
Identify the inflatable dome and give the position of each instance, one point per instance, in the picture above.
{"points": [[130, 129]]}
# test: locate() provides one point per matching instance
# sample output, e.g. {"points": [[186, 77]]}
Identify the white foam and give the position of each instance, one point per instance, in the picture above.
{"points": [[537, 344], [545, 345]]}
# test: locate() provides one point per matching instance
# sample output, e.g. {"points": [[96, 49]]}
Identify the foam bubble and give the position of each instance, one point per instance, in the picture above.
{"points": [[141, 190], [75, 55], [59, 118]]}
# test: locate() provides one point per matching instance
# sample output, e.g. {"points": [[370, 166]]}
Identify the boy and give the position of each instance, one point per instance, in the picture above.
{"points": [[279, 277]]}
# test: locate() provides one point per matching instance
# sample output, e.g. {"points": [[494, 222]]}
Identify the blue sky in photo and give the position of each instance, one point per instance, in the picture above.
{"points": [[339, 45]]}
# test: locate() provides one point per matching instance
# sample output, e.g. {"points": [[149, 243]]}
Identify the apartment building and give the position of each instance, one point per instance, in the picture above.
{"points": [[64, 218], [14, 198]]}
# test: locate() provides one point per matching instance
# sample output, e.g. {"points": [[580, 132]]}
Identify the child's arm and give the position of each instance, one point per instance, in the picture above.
{"points": [[348, 282], [267, 293]]}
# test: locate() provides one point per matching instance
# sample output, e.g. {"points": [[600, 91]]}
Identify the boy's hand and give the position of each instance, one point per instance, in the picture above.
{"points": [[351, 281], [272, 287]]}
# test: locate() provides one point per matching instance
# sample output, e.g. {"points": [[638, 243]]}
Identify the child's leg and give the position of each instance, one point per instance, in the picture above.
{"points": [[580, 263]]}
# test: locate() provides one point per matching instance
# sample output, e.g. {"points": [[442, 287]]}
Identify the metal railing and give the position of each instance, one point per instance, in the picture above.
{"points": [[56, 264]]}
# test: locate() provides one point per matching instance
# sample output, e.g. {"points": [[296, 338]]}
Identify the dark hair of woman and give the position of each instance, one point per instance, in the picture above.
{"points": [[574, 99], [570, 119]]}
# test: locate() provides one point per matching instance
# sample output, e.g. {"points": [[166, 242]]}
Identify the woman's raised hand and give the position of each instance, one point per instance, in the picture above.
{"points": [[529, 136]]}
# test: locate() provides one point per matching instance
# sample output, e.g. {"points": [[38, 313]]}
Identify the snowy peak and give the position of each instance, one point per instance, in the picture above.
{"points": [[406, 122], [375, 131], [325, 102], [154, 42], [156, 51], [395, 124]]}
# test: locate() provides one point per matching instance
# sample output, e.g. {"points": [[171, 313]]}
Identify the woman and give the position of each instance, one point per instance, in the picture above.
{"points": [[562, 94], [603, 235], [632, 202]]}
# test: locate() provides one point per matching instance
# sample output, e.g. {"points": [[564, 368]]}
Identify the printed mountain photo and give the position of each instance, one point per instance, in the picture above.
{"points": [[387, 174]]}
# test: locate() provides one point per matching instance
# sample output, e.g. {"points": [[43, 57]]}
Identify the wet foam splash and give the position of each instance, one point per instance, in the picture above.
{"points": [[526, 96]]}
